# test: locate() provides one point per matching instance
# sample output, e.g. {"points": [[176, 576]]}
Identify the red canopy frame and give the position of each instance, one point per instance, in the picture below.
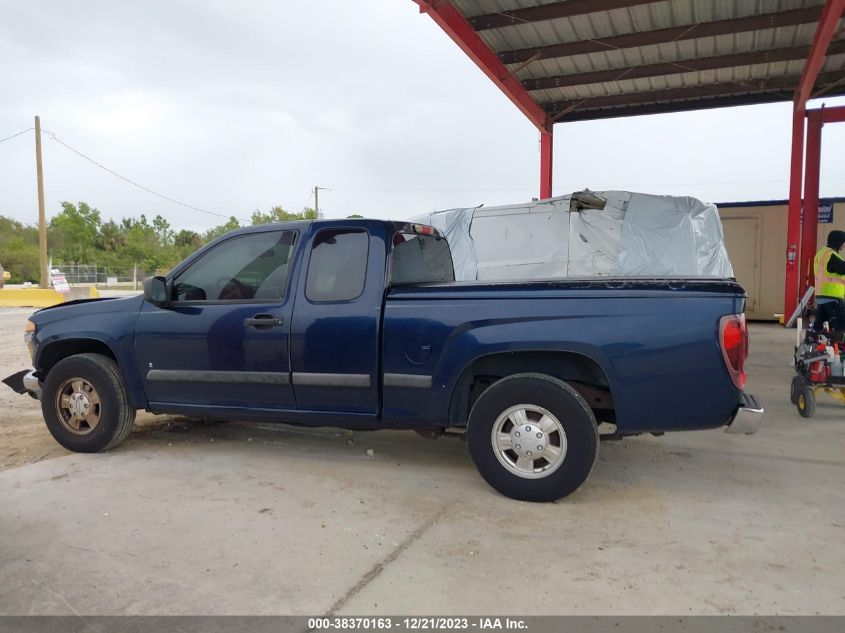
{"points": [[807, 174], [462, 33], [800, 243], [808, 208]]}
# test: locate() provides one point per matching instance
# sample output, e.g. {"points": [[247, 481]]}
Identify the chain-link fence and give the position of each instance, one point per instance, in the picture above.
{"points": [[93, 275]]}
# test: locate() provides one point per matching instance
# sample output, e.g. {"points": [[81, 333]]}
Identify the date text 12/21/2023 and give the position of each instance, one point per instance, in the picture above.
{"points": [[418, 623]]}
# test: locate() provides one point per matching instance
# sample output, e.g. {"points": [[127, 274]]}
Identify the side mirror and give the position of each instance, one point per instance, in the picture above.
{"points": [[155, 291]]}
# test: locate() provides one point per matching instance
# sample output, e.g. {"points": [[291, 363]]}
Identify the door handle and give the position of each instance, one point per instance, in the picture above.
{"points": [[263, 321]]}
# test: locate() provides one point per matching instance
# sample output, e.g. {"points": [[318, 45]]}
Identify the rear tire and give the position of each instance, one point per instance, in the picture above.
{"points": [[85, 403], [532, 437], [806, 402]]}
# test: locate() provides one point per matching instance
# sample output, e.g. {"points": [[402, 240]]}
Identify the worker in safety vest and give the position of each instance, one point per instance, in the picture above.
{"points": [[829, 269]]}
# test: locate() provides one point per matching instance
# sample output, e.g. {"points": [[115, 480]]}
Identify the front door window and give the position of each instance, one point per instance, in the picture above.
{"points": [[251, 267]]}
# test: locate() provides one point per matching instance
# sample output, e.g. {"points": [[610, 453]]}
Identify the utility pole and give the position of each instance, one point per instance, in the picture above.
{"points": [[42, 219], [317, 200]]}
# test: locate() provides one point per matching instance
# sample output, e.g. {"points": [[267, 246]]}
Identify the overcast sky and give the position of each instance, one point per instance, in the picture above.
{"points": [[232, 106]]}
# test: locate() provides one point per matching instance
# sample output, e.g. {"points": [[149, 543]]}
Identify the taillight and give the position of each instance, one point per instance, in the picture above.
{"points": [[733, 338], [422, 229]]}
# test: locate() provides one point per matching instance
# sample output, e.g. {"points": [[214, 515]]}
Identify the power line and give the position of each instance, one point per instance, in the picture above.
{"points": [[53, 136], [9, 138]]}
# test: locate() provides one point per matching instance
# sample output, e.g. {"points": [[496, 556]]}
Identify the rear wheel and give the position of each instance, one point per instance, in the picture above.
{"points": [[532, 437], [806, 402], [85, 403]]}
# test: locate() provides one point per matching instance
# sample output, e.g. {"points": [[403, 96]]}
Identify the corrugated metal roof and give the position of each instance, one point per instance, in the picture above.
{"points": [[575, 72], [766, 39]]}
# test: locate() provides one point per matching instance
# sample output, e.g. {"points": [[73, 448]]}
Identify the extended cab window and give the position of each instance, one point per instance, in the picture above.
{"points": [[420, 259], [338, 266], [244, 268]]}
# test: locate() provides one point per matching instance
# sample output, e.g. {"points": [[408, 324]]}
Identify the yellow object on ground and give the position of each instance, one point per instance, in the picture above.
{"points": [[30, 297], [42, 297]]}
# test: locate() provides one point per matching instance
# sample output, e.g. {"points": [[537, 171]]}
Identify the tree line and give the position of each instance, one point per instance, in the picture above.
{"points": [[78, 235]]}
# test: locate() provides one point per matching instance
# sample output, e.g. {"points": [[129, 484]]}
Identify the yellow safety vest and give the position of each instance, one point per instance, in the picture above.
{"points": [[828, 284]]}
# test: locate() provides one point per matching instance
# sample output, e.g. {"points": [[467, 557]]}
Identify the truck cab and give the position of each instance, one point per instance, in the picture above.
{"points": [[272, 334]]}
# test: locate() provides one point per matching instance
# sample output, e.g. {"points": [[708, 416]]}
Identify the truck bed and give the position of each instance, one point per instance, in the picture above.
{"points": [[656, 341]]}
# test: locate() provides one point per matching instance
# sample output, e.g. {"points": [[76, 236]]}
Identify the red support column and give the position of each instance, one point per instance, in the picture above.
{"points": [[825, 30], [810, 221], [546, 155], [793, 223]]}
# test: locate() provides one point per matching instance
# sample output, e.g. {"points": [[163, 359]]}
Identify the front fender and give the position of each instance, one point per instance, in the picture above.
{"points": [[56, 339]]}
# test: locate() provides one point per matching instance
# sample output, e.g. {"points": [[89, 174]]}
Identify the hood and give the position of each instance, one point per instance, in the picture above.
{"points": [[73, 303], [83, 307]]}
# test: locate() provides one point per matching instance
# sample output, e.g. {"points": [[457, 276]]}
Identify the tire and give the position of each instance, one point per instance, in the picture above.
{"points": [[806, 402], [554, 415], [85, 404], [794, 388]]}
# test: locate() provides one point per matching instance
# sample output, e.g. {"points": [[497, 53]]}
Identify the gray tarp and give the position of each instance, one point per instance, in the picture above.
{"points": [[672, 236], [634, 235], [456, 225]]}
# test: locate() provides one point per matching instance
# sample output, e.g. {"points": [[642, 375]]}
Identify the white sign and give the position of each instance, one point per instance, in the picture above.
{"points": [[59, 282]]}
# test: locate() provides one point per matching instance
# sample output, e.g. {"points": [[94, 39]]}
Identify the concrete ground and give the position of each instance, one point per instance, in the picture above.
{"points": [[234, 518]]}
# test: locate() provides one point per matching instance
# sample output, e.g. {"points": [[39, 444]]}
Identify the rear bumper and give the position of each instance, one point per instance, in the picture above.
{"points": [[25, 382], [748, 416]]}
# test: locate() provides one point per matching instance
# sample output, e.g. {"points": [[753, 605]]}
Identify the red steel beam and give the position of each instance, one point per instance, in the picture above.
{"points": [[682, 106], [552, 11], [663, 36], [829, 19], [546, 154], [833, 115], [456, 26], [825, 31], [810, 219], [703, 91]]}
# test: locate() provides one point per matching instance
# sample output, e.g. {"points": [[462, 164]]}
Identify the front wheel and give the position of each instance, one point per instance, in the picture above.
{"points": [[533, 437], [795, 387], [85, 403], [806, 402]]}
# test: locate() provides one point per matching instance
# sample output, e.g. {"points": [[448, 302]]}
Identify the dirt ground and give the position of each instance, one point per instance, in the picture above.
{"points": [[234, 518], [23, 436]]}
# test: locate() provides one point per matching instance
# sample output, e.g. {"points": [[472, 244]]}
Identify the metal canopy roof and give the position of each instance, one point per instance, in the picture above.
{"points": [[593, 59], [571, 60]]}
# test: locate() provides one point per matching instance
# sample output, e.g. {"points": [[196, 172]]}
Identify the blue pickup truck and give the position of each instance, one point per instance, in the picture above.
{"points": [[360, 324]]}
